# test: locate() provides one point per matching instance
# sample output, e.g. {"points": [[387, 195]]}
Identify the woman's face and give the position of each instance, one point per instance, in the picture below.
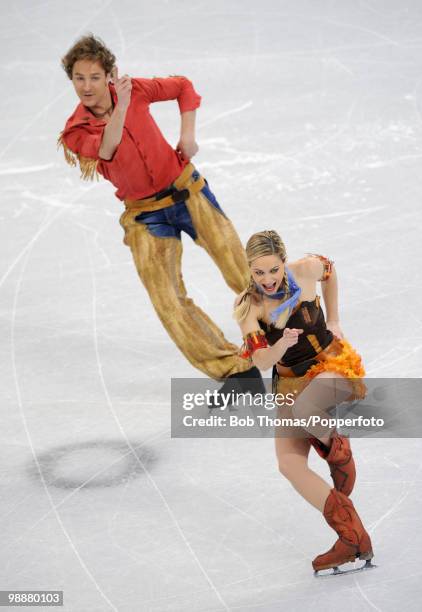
{"points": [[268, 272]]}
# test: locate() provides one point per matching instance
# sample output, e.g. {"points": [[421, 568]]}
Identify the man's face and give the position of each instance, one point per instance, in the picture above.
{"points": [[90, 82]]}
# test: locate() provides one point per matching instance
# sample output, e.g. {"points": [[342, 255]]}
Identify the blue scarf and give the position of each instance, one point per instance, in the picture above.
{"points": [[293, 290]]}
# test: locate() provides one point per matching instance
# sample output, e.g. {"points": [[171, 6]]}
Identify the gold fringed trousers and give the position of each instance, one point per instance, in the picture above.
{"points": [[153, 233]]}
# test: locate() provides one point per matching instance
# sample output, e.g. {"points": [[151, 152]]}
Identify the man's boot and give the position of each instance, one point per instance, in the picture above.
{"points": [[241, 382]]}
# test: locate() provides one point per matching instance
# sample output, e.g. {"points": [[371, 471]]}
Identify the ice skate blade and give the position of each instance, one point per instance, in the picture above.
{"points": [[336, 571]]}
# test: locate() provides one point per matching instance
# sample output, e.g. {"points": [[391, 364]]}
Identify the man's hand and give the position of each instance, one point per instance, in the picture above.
{"points": [[123, 88], [187, 147]]}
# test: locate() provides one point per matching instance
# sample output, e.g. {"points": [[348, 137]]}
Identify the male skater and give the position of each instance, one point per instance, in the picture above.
{"points": [[112, 132]]}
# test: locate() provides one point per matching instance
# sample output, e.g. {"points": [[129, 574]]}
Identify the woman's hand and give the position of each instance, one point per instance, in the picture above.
{"points": [[334, 327], [291, 336]]}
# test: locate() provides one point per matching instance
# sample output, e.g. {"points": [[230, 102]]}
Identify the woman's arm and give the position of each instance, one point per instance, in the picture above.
{"points": [[264, 356], [330, 295], [323, 270]]}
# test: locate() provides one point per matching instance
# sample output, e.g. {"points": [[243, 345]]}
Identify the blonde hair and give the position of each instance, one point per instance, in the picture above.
{"points": [[259, 245]]}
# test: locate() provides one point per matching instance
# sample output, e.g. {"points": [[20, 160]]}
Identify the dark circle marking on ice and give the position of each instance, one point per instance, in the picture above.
{"points": [[93, 464]]}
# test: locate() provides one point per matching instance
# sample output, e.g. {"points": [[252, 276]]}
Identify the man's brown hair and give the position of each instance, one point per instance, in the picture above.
{"points": [[88, 47]]}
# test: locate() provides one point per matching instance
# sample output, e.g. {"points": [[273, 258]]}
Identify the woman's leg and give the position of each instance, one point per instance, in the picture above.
{"points": [[353, 540], [324, 392], [292, 456]]}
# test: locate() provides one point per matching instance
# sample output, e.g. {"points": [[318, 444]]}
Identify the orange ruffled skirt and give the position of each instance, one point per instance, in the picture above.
{"points": [[339, 357]]}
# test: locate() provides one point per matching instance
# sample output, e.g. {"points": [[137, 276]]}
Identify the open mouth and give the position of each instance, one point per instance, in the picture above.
{"points": [[270, 287]]}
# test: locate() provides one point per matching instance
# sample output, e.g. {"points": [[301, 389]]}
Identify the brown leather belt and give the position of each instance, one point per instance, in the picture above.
{"points": [[333, 349], [179, 192]]}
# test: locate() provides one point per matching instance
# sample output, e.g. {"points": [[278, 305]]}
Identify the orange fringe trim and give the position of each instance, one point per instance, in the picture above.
{"points": [[87, 165], [348, 363]]}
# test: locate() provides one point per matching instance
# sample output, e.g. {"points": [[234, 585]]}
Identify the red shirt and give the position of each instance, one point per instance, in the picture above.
{"points": [[143, 162]]}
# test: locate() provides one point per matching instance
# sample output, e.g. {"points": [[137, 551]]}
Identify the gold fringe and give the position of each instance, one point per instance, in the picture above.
{"points": [[69, 155], [88, 168], [87, 165]]}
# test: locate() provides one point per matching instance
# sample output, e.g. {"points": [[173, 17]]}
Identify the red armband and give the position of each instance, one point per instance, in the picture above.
{"points": [[252, 342]]}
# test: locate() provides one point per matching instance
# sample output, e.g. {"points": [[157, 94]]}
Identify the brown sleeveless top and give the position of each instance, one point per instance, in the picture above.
{"points": [[314, 339]]}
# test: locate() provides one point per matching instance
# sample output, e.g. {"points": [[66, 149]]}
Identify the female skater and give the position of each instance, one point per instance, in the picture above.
{"points": [[283, 325]]}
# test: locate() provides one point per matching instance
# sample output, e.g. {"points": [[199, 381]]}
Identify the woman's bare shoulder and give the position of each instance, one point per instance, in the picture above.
{"points": [[304, 267], [251, 322]]}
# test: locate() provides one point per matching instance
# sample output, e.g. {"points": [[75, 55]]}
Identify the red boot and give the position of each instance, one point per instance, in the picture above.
{"points": [[340, 461], [353, 542]]}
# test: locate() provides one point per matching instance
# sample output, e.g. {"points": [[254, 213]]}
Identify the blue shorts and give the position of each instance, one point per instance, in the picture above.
{"points": [[171, 221]]}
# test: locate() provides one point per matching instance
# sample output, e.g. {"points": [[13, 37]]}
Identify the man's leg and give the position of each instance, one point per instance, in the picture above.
{"points": [[215, 232], [158, 261], [212, 230]]}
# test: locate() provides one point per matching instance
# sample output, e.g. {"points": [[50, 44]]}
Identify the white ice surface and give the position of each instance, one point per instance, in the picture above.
{"points": [[311, 124]]}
